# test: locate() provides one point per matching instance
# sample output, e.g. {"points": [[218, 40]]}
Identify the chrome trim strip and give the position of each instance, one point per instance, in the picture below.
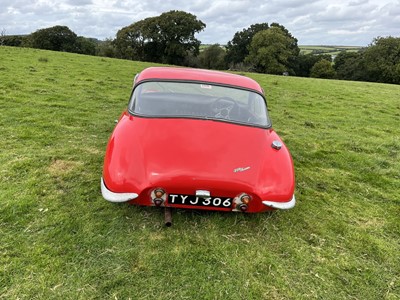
{"points": [[115, 197], [281, 205]]}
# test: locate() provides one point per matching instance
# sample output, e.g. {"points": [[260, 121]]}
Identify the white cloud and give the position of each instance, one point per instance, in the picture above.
{"points": [[338, 22]]}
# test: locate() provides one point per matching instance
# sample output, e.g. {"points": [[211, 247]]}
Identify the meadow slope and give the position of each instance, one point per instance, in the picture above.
{"points": [[60, 240]]}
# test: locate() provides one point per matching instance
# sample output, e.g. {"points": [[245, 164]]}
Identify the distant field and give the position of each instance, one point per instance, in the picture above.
{"points": [[60, 240], [332, 50], [308, 49]]}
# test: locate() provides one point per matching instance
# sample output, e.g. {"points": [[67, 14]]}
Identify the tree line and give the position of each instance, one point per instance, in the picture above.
{"points": [[265, 48]]}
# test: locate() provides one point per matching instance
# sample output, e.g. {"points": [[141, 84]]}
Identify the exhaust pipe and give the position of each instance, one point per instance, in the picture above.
{"points": [[168, 216]]}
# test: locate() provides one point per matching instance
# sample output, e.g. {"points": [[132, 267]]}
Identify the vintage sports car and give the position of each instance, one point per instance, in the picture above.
{"points": [[197, 139]]}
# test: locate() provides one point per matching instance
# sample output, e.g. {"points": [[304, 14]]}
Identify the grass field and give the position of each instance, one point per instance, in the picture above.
{"points": [[60, 240], [332, 50], [308, 49]]}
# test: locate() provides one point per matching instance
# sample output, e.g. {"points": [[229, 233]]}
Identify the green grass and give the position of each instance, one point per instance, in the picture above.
{"points": [[60, 240]]}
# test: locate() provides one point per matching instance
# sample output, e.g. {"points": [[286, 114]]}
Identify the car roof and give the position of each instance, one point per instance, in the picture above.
{"points": [[189, 74]]}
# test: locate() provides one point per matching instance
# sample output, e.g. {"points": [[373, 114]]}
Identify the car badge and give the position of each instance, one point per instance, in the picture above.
{"points": [[241, 169]]}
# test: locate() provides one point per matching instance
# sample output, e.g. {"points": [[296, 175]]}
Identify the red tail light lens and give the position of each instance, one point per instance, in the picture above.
{"points": [[159, 193], [158, 196], [245, 199]]}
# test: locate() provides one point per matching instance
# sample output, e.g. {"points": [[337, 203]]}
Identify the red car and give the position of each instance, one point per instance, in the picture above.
{"points": [[197, 139]]}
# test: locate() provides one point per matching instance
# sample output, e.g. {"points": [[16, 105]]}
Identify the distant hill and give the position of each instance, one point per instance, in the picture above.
{"points": [[314, 49]]}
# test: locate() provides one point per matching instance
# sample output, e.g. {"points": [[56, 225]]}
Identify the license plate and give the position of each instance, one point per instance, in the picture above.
{"points": [[221, 202]]}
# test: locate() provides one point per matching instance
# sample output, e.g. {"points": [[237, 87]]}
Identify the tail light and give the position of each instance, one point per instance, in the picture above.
{"points": [[242, 207], [245, 199], [158, 196], [242, 202]]}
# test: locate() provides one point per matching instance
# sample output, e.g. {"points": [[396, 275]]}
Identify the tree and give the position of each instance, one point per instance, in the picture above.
{"points": [[304, 63], [57, 38], [2, 37], [86, 45], [323, 69], [382, 60], [106, 48], [177, 35], [167, 38], [191, 61], [213, 57], [14, 40], [379, 62], [350, 66], [130, 40], [273, 51], [292, 45], [237, 48]]}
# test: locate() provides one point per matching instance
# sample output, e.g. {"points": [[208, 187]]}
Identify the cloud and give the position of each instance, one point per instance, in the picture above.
{"points": [[79, 2], [336, 22]]}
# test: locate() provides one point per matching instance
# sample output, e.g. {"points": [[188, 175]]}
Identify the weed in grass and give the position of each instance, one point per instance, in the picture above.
{"points": [[43, 59], [309, 124]]}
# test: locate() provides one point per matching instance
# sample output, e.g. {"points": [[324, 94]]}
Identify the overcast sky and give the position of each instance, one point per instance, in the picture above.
{"points": [[312, 22]]}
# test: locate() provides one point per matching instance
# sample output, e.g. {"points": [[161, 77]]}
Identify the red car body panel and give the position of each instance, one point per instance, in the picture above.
{"points": [[183, 155], [187, 74]]}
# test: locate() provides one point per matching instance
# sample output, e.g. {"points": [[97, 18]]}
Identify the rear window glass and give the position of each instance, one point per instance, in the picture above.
{"points": [[199, 100]]}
